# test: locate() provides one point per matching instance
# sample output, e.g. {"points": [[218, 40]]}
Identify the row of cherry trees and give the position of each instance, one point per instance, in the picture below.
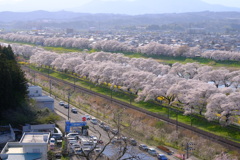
{"points": [[153, 48], [183, 85]]}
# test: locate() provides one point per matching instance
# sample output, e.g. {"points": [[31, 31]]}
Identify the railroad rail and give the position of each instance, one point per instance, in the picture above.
{"points": [[208, 135]]}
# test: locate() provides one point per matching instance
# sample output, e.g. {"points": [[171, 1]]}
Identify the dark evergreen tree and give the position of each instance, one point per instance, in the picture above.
{"points": [[13, 89]]}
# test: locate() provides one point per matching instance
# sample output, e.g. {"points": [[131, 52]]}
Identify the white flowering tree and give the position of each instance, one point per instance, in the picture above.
{"points": [[224, 108]]}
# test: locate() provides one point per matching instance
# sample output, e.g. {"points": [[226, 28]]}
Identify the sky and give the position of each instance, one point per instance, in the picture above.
{"points": [[57, 5]]}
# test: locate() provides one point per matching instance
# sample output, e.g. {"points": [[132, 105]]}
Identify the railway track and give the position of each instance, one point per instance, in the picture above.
{"points": [[223, 141]]}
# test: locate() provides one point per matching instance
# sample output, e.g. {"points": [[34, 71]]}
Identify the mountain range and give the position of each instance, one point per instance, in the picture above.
{"points": [[104, 14], [137, 7], [81, 21], [122, 9]]}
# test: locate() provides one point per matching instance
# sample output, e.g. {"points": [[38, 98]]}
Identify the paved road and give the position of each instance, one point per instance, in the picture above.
{"points": [[94, 129]]}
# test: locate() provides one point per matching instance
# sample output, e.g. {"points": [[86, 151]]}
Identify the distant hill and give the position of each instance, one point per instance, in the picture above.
{"points": [[39, 19], [149, 7], [36, 15], [63, 16]]}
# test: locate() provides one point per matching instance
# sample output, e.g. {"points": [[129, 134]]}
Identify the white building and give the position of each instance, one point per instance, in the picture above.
{"points": [[44, 102], [34, 91], [33, 145]]}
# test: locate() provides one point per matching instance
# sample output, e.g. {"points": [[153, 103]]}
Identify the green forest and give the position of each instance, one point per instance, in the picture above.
{"points": [[12, 81], [13, 85]]}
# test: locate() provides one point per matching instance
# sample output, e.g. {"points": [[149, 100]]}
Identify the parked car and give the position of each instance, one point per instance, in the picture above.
{"points": [[143, 147], [94, 121], [94, 139], [61, 103], [58, 156], [52, 146], [57, 136], [88, 117], [52, 140], [52, 143], [71, 140], [165, 149], [101, 124], [73, 135], [57, 130], [124, 138], [66, 106], [86, 150], [114, 131], [97, 150], [162, 157], [152, 151], [74, 110], [99, 141], [132, 141], [75, 146], [116, 140], [78, 151], [106, 128]]}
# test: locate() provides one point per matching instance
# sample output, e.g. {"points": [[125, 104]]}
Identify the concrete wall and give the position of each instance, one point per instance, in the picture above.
{"points": [[49, 105], [35, 148]]}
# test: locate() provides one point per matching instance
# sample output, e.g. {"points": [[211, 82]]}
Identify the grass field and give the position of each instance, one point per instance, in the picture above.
{"points": [[62, 49], [171, 60], [227, 132]]}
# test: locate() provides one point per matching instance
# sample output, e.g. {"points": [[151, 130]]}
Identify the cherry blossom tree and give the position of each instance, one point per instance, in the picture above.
{"points": [[223, 107], [224, 156], [43, 58], [70, 63], [236, 81], [192, 95], [187, 71], [159, 88]]}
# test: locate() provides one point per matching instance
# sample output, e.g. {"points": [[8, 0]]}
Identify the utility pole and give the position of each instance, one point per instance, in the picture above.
{"points": [[50, 87], [111, 95], [189, 148], [176, 121], [48, 73], [90, 85], [69, 95], [168, 111], [34, 76], [74, 83], [191, 116]]}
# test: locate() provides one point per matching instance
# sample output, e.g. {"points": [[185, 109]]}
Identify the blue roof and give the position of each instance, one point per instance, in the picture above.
{"points": [[24, 156]]}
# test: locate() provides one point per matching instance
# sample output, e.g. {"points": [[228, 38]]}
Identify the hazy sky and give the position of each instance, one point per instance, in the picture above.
{"points": [[56, 5]]}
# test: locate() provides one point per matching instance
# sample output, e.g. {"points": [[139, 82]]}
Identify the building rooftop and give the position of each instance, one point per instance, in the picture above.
{"points": [[43, 99], [24, 156], [34, 87], [17, 149], [35, 137]]}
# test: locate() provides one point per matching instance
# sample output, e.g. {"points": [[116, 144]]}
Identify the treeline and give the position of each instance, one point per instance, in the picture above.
{"points": [[13, 85], [150, 49], [193, 88]]}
